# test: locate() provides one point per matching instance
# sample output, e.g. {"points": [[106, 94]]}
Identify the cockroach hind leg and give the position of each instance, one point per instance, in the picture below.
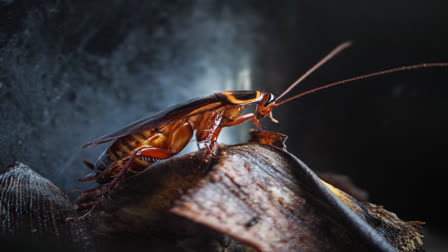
{"points": [[88, 191], [79, 218]]}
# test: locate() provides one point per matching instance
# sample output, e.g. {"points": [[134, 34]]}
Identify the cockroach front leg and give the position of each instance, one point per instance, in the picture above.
{"points": [[243, 118], [211, 142], [209, 134], [209, 145]]}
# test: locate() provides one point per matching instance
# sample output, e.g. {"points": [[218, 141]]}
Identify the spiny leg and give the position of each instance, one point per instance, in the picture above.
{"points": [[149, 152], [209, 134], [212, 136], [88, 190], [88, 212], [243, 118], [179, 138], [180, 135], [211, 141], [212, 131]]}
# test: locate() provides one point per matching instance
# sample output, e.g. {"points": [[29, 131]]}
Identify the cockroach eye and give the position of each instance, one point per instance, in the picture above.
{"points": [[270, 100]]}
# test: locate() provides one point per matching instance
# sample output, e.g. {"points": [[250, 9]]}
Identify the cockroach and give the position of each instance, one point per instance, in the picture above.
{"points": [[163, 135]]}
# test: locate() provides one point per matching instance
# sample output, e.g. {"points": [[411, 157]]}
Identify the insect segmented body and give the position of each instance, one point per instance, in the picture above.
{"points": [[163, 135], [141, 144]]}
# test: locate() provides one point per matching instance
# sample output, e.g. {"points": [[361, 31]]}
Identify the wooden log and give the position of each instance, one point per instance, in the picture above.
{"points": [[257, 194], [248, 197]]}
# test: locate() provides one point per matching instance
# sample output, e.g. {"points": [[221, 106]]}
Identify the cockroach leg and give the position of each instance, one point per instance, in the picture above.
{"points": [[209, 146], [209, 134], [87, 191], [149, 152], [272, 118], [86, 214], [210, 143], [243, 118]]}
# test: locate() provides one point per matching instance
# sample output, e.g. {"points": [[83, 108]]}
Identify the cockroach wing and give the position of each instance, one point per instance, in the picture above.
{"points": [[177, 112]]}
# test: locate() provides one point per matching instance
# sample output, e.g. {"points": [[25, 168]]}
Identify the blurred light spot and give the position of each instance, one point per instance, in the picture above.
{"points": [[244, 81]]}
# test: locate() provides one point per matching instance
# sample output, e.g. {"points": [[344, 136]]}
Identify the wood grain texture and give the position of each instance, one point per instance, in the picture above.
{"points": [[256, 194], [293, 210], [248, 197]]}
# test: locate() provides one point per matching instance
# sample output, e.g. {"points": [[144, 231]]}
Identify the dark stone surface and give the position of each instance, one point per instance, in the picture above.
{"points": [[33, 212], [74, 70]]}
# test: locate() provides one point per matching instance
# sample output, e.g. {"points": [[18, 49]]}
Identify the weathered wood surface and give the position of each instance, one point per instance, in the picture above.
{"points": [[257, 194], [249, 197], [272, 201]]}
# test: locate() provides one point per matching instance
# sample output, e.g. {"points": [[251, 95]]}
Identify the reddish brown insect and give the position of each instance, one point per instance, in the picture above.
{"points": [[163, 135]]}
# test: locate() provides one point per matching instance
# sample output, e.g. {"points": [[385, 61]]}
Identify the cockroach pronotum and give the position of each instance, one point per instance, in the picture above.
{"points": [[163, 135]]}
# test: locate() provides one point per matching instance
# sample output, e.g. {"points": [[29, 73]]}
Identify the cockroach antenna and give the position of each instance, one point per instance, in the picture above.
{"points": [[365, 76]]}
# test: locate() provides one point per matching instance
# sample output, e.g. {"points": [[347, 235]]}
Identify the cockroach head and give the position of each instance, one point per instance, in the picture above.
{"points": [[270, 99], [265, 106]]}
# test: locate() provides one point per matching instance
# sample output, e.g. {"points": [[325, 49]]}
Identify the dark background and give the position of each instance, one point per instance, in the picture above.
{"points": [[71, 71]]}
